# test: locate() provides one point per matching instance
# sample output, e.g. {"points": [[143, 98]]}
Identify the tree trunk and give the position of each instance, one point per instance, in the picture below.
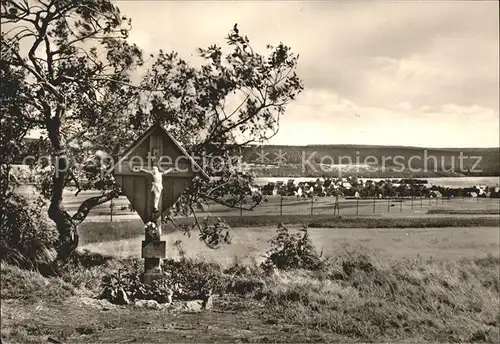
{"points": [[68, 236]]}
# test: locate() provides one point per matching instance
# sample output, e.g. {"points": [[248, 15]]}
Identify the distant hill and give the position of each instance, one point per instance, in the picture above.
{"points": [[372, 161], [365, 160]]}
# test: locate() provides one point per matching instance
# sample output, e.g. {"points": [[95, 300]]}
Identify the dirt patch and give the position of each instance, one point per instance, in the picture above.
{"points": [[84, 320]]}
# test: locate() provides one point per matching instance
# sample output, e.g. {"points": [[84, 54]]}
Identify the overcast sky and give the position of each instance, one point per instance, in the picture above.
{"points": [[392, 73]]}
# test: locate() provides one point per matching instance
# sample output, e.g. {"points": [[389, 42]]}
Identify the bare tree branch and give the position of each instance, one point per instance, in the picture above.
{"points": [[221, 202], [71, 176], [90, 203], [195, 217]]}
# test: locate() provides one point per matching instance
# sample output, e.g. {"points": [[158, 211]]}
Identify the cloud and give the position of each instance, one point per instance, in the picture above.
{"points": [[419, 73], [341, 121]]}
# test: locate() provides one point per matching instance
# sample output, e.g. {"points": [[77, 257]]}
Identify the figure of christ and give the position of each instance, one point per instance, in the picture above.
{"points": [[157, 185]]}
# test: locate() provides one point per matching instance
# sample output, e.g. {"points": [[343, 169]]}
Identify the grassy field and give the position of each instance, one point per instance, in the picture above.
{"points": [[92, 232], [383, 244], [382, 285], [427, 273], [464, 211]]}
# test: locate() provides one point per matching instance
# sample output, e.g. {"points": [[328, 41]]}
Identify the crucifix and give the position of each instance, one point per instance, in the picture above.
{"points": [[141, 164], [156, 185]]}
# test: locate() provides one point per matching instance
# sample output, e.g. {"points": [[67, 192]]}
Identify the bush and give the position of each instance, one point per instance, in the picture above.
{"points": [[129, 281], [27, 238], [185, 279], [85, 270], [292, 251], [192, 278], [355, 261]]}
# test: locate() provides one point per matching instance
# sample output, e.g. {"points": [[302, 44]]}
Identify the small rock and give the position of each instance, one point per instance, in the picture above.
{"points": [[154, 305], [89, 301], [106, 305], [150, 304], [140, 303], [177, 306], [193, 306]]}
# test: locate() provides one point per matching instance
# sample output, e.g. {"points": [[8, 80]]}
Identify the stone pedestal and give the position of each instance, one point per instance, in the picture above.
{"points": [[153, 251], [151, 276]]}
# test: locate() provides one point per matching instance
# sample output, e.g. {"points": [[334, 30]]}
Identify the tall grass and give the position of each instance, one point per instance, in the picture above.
{"points": [[31, 286], [410, 299], [353, 295], [349, 294], [80, 276]]}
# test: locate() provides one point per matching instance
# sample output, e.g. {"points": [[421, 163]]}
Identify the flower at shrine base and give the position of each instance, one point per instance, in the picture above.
{"points": [[152, 232]]}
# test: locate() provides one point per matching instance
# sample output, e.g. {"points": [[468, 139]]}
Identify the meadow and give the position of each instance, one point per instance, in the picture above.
{"points": [[380, 285], [250, 244], [421, 272]]}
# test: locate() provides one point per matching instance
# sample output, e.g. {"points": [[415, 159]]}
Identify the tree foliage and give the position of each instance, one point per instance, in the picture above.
{"points": [[79, 79], [26, 237], [13, 124], [73, 57]]}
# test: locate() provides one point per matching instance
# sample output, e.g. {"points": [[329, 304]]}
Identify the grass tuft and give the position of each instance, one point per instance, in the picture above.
{"points": [[31, 286]]}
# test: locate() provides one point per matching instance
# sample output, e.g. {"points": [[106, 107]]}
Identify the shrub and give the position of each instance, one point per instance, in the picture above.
{"points": [[128, 280], [85, 269], [354, 261], [27, 238], [246, 285], [185, 279], [292, 251], [192, 278]]}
